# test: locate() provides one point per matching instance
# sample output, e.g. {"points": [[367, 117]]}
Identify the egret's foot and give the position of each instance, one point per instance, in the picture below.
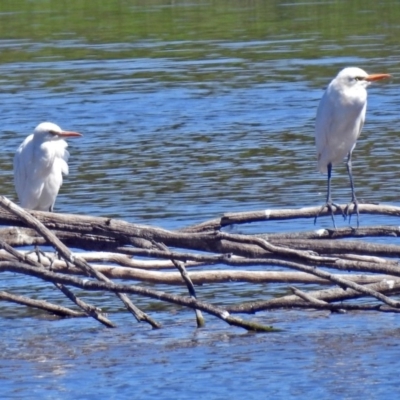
{"points": [[329, 205], [39, 253], [348, 213]]}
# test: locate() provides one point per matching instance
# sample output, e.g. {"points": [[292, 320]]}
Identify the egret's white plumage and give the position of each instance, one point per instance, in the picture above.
{"points": [[340, 119], [39, 165]]}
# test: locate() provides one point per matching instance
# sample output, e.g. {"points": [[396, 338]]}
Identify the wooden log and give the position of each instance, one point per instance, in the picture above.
{"points": [[285, 214], [214, 276], [329, 247]]}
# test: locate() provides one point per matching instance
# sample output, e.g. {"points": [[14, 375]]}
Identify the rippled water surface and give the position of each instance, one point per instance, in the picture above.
{"points": [[190, 109]]}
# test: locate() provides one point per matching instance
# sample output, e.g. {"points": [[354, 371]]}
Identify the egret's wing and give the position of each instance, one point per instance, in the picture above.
{"points": [[24, 170], [323, 126], [362, 119], [62, 157], [33, 165], [360, 122], [38, 170]]}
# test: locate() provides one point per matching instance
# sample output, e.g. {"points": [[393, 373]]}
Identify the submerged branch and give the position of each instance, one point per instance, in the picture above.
{"points": [[92, 285], [41, 304], [87, 308]]}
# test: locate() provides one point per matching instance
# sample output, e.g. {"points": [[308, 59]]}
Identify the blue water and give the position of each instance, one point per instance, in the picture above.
{"points": [[318, 355]]}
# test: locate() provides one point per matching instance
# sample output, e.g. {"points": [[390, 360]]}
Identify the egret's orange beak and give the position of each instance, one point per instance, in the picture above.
{"points": [[376, 77], [69, 134]]}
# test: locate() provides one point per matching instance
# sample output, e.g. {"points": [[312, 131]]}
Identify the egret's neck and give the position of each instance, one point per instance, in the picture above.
{"points": [[353, 96]]}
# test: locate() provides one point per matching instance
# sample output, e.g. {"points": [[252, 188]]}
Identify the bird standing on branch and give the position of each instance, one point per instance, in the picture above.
{"points": [[39, 165], [340, 119]]}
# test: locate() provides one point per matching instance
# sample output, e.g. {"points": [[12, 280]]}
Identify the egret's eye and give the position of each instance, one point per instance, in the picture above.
{"points": [[53, 133], [359, 78]]}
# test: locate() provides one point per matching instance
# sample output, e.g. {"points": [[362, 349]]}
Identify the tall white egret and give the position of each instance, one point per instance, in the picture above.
{"points": [[39, 165], [340, 119]]}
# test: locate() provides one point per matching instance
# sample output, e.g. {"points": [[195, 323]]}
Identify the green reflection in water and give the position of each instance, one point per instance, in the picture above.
{"points": [[319, 28]]}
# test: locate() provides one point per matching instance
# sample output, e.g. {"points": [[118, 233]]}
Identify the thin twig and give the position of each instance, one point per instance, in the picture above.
{"points": [[186, 278]]}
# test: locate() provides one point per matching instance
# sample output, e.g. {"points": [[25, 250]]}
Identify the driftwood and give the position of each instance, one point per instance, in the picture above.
{"points": [[202, 254]]}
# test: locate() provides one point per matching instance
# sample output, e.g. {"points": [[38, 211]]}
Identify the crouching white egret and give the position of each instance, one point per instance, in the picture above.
{"points": [[39, 165]]}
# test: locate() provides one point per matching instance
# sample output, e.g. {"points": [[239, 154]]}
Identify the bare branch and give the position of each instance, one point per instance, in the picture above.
{"points": [[67, 254]]}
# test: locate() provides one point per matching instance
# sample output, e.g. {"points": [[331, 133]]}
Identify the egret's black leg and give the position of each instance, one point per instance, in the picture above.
{"points": [[329, 203], [37, 252], [354, 200]]}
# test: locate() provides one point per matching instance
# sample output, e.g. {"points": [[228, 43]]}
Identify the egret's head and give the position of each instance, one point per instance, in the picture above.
{"points": [[357, 77], [50, 131]]}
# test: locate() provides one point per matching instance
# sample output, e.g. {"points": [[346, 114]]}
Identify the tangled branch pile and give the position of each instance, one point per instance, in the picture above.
{"points": [[116, 249]]}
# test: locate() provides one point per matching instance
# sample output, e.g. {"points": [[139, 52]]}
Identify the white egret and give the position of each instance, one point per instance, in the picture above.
{"points": [[340, 119], [39, 165]]}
